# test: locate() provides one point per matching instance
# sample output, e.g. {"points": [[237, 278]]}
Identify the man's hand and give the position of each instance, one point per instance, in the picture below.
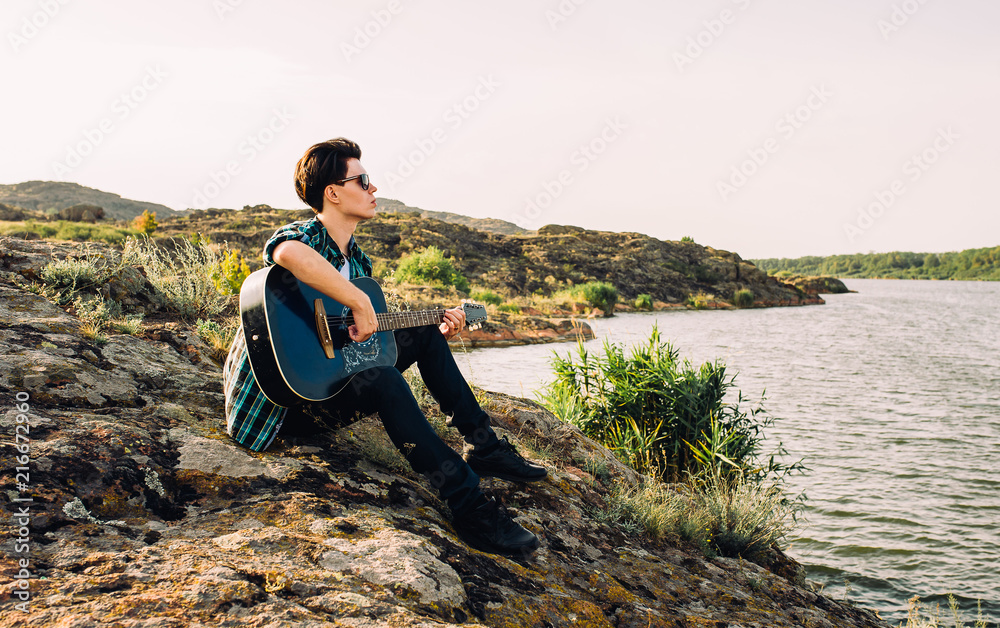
{"points": [[365, 322], [454, 322]]}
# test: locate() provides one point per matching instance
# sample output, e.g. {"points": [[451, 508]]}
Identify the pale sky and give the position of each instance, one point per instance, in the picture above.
{"points": [[757, 126]]}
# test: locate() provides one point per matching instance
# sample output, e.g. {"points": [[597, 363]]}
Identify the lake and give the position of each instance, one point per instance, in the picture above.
{"points": [[892, 397]]}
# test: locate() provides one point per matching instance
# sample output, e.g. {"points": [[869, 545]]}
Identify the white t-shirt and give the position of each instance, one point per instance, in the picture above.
{"points": [[345, 270]]}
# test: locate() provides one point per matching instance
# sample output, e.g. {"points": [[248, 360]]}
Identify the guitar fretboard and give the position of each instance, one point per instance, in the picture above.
{"points": [[388, 321]]}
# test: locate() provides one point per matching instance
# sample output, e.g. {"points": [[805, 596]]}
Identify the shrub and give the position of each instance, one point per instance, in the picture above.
{"points": [[430, 267], [644, 302], [664, 417], [513, 308], [230, 272], [146, 223], [601, 295], [743, 298], [699, 301], [183, 275], [487, 297], [67, 277], [687, 239]]}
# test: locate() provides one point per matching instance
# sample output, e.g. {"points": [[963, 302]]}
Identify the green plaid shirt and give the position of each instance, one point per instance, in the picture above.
{"points": [[250, 418]]}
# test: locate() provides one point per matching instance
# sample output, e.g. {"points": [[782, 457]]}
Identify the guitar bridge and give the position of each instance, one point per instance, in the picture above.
{"points": [[323, 328]]}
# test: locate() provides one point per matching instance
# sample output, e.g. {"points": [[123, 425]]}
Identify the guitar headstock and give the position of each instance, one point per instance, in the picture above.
{"points": [[475, 315]]}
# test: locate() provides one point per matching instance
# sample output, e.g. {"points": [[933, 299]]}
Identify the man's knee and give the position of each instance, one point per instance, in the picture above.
{"points": [[385, 380]]}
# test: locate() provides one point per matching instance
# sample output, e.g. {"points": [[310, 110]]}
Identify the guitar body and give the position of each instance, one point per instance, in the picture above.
{"points": [[287, 358]]}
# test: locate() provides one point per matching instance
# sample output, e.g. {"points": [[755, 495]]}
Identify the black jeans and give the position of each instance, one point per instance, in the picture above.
{"points": [[384, 391]]}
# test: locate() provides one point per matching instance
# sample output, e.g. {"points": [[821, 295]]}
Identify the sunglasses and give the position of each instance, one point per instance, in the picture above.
{"points": [[363, 177]]}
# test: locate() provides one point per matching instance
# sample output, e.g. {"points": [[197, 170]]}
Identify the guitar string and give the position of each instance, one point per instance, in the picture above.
{"points": [[414, 318]]}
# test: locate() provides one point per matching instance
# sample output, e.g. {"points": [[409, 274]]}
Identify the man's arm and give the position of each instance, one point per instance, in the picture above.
{"points": [[312, 269]]}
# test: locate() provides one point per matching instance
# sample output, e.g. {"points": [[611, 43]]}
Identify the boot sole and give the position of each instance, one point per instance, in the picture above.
{"points": [[503, 551]]}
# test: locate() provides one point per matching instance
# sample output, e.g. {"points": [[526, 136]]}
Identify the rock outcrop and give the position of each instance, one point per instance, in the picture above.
{"points": [[81, 212], [145, 513], [812, 285], [553, 258]]}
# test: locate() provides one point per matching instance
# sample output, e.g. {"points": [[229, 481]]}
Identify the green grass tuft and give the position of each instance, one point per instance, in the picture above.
{"points": [[743, 298]]}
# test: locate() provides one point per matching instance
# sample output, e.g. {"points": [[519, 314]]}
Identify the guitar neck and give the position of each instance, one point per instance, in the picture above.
{"points": [[388, 321]]}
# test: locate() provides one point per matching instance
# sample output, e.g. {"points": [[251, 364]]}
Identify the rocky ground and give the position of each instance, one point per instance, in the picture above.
{"points": [[144, 513]]}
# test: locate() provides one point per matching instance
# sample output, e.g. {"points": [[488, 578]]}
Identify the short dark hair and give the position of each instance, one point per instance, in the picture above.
{"points": [[323, 164]]}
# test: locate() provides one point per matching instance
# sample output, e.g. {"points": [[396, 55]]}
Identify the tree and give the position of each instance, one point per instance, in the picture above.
{"points": [[146, 223]]}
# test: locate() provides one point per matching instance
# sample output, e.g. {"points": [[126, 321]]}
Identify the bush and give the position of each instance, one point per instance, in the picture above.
{"points": [[66, 278], [512, 308], [699, 301], [183, 275], [687, 239], [487, 297], [601, 295], [146, 223], [430, 267], [743, 298], [229, 274], [661, 416], [644, 302]]}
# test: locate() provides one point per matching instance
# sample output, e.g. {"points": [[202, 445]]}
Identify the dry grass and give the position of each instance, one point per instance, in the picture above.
{"points": [[732, 516], [916, 617]]}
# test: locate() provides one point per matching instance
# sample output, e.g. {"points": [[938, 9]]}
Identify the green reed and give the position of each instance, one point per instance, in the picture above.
{"points": [[663, 416]]}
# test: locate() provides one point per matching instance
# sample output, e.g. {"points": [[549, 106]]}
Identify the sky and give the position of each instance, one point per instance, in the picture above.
{"points": [[772, 128]]}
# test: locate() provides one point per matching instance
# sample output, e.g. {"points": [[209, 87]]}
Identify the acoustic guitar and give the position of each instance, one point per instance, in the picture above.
{"points": [[297, 338]]}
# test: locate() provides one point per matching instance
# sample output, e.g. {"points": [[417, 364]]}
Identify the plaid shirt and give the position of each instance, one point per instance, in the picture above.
{"points": [[250, 418]]}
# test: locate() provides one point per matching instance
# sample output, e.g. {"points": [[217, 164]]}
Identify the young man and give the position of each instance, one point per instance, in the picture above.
{"points": [[322, 253]]}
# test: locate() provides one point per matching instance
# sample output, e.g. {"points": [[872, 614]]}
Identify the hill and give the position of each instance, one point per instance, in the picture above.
{"points": [[51, 196], [528, 264], [492, 225], [970, 264]]}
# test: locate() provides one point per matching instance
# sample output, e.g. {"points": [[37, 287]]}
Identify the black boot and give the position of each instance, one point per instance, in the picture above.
{"points": [[502, 461], [486, 526]]}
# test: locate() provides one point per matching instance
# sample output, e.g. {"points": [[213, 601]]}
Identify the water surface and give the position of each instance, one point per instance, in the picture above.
{"points": [[892, 396]]}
